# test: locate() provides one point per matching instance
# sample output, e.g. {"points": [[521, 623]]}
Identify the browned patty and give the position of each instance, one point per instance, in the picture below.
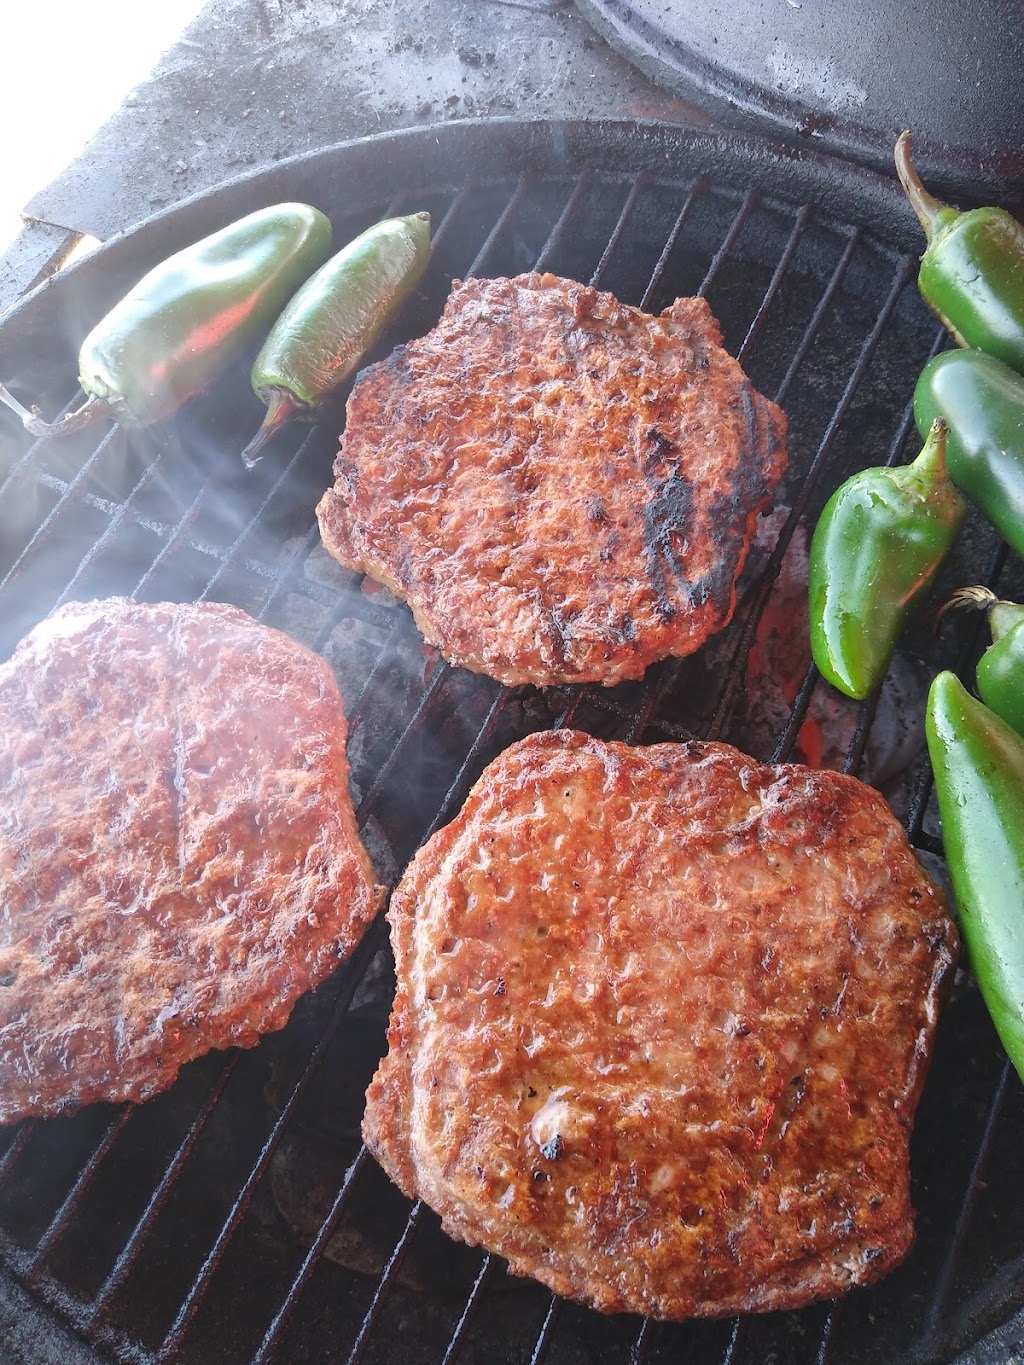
{"points": [[562, 487], [662, 1021], [179, 858]]}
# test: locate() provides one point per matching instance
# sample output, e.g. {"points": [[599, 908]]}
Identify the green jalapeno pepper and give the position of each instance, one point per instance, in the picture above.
{"points": [[972, 271], [334, 319], [171, 335], [978, 762], [875, 553], [982, 401], [1000, 671]]}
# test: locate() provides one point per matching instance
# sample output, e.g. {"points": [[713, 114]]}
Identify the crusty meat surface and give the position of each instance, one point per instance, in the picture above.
{"points": [[662, 1020], [179, 858], [562, 487]]}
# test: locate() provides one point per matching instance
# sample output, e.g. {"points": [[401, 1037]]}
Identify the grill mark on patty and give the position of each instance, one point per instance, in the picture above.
{"points": [[746, 485], [666, 515]]}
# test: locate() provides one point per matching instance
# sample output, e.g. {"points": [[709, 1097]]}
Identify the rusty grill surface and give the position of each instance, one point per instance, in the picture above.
{"points": [[237, 1217]]}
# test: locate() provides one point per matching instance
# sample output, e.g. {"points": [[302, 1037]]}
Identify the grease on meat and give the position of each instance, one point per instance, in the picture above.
{"points": [[179, 857], [562, 487], [663, 1017]]}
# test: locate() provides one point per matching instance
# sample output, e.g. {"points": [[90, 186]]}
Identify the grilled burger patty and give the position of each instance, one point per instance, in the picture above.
{"points": [[179, 858], [562, 487], [662, 1021]]}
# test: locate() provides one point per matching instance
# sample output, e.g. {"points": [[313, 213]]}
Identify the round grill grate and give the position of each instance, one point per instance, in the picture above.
{"points": [[236, 1217]]}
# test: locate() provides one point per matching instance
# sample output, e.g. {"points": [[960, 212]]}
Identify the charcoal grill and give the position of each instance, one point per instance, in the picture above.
{"points": [[237, 1217]]}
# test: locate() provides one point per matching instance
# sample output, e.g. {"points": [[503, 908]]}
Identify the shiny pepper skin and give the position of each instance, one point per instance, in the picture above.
{"points": [[1000, 672], [978, 762], [185, 321], [972, 271], [334, 319], [875, 553], [982, 402]]}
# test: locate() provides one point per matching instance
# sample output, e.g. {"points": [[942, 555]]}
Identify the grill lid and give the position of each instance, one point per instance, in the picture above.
{"points": [[849, 77]]}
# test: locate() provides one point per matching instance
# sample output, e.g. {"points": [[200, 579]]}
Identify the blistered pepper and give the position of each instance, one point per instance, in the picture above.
{"points": [[1000, 672], [972, 271], [978, 762], [334, 319], [875, 553], [184, 322], [982, 402]]}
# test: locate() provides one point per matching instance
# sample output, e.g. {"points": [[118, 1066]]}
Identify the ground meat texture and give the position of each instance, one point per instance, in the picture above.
{"points": [[662, 1021], [562, 487], [179, 858]]}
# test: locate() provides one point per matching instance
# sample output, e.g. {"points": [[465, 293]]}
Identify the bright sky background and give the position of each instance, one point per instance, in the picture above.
{"points": [[68, 64]]}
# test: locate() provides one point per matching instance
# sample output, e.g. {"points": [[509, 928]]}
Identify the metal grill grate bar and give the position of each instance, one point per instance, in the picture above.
{"points": [[865, 719], [119, 513], [761, 591], [484, 1276], [451, 213], [737, 1342], [803, 217], [469, 766], [547, 1331], [369, 944], [638, 1350], [77, 1192], [817, 318], [312, 1257], [786, 741], [387, 1279], [15, 1148], [499, 227], [430, 694], [632, 198], [728, 241], [51, 518], [172, 542], [580, 191], [387, 655], [945, 1279], [670, 243], [828, 1333], [233, 553], [907, 419], [129, 1252]]}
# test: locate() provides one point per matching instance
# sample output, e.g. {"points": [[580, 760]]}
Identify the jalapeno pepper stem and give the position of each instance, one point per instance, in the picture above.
{"points": [[281, 407], [974, 598], [932, 213], [929, 468], [1002, 615], [33, 423]]}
